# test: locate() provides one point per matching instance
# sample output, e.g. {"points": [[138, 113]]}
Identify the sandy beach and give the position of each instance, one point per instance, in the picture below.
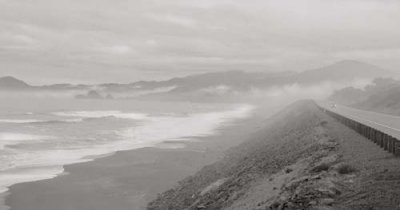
{"points": [[129, 179]]}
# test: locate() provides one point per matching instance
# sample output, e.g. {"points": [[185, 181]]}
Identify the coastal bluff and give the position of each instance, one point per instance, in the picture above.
{"points": [[301, 158]]}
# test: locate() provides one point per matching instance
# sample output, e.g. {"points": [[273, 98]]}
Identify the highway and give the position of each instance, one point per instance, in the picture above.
{"points": [[385, 123]]}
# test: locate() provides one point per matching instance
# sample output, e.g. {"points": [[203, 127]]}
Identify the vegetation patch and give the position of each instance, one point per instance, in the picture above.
{"points": [[346, 169], [323, 123], [321, 167], [288, 170]]}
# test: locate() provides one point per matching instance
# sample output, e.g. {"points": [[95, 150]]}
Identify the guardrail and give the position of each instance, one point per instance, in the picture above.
{"points": [[386, 141]]}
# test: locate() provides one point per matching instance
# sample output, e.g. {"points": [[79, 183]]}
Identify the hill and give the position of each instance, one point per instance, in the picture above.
{"points": [[8, 83], [236, 84], [383, 95], [221, 85], [300, 159], [343, 71], [387, 101]]}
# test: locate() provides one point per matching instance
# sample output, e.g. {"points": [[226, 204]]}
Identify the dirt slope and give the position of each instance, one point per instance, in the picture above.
{"points": [[300, 159]]}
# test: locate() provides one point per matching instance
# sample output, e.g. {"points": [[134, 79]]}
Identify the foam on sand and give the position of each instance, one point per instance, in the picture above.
{"points": [[27, 175]]}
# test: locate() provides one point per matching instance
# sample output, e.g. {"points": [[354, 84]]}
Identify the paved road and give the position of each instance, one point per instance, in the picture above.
{"points": [[388, 124]]}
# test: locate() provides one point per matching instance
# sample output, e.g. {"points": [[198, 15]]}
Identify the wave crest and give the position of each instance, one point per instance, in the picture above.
{"points": [[102, 114]]}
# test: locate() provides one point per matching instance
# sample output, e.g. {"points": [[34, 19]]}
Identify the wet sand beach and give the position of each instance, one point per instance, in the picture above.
{"points": [[129, 179]]}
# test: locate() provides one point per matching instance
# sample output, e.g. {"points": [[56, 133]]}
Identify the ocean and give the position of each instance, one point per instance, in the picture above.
{"points": [[38, 136]]}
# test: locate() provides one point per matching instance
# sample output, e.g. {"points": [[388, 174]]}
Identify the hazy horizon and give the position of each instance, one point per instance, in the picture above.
{"points": [[61, 81], [108, 41]]}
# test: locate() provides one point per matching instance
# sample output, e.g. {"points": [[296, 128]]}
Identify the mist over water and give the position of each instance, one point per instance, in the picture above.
{"points": [[35, 143]]}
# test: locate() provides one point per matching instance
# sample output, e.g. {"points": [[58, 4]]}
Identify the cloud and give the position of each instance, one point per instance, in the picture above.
{"points": [[174, 19], [293, 92], [117, 49], [15, 41], [150, 39]]}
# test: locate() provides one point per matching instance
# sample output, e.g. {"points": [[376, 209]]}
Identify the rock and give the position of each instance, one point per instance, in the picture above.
{"points": [[90, 95], [275, 205], [201, 207], [313, 203], [327, 191], [327, 201], [316, 177], [288, 170]]}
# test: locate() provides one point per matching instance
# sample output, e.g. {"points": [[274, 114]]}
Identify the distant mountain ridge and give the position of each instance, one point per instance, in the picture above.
{"points": [[344, 69], [352, 96], [381, 96], [9, 82], [219, 82], [341, 71]]}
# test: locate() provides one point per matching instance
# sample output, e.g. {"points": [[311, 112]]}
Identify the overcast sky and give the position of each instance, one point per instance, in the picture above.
{"points": [[45, 41]]}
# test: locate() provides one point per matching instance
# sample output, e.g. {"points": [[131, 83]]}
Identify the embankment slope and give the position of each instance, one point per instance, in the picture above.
{"points": [[301, 159]]}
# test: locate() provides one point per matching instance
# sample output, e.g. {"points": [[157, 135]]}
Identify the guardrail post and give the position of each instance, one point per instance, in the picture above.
{"points": [[376, 136], [363, 130], [385, 142], [392, 144], [380, 139], [396, 147], [373, 135], [369, 133], [390, 141]]}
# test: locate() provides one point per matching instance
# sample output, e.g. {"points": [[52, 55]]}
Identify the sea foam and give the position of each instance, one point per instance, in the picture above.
{"points": [[32, 121], [101, 114], [17, 138], [18, 121], [159, 129], [26, 166]]}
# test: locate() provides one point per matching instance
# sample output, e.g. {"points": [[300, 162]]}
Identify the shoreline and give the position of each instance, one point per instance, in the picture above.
{"points": [[116, 180]]}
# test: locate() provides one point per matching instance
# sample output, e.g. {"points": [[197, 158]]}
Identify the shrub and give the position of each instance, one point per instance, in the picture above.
{"points": [[321, 167], [323, 123], [288, 170], [346, 169]]}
